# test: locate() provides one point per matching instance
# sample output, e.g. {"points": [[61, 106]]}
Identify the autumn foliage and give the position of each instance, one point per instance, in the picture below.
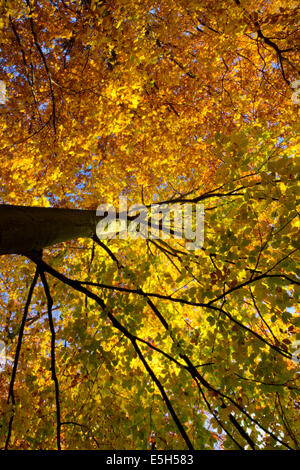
{"points": [[123, 344]]}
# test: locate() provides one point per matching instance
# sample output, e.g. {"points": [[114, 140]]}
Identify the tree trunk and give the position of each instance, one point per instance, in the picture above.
{"points": [[24, 229]]}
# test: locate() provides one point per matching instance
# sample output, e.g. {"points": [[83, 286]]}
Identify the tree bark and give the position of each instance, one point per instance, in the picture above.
{"points": [[24, 229]]}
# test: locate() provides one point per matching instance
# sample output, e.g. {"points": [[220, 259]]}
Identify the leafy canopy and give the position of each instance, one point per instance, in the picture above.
{"points": [[160, 101]]}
